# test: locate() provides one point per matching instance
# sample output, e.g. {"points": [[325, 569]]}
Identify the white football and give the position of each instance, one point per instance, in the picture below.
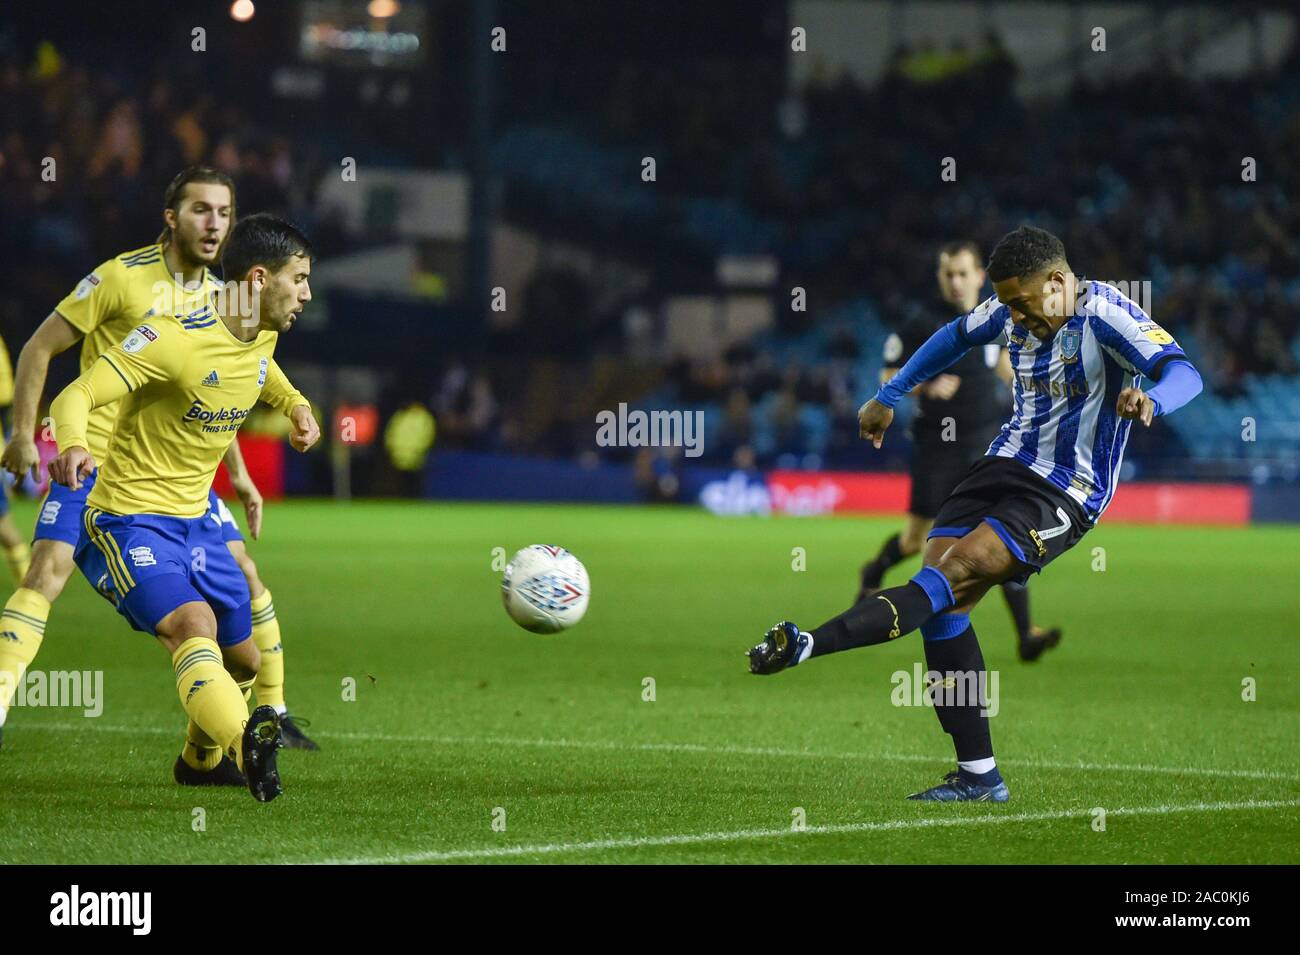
{"points": [[545, 589]]}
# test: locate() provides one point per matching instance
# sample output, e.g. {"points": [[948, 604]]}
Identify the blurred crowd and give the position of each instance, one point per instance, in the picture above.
{"points": [[85, 154], [1190, 186], [1143, 179]]}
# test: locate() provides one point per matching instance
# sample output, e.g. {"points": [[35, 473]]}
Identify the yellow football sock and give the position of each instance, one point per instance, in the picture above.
{"points": [[19, 558], [266, 634], [22, 628], [200, 751], [210, 695]]}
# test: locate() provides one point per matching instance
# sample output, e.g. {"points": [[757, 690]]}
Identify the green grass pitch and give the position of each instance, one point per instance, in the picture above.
{"points": [[461, 719]]}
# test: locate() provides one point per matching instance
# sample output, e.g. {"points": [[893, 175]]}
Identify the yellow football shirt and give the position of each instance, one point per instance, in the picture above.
{"points": [[185, 388], [119, 295]]}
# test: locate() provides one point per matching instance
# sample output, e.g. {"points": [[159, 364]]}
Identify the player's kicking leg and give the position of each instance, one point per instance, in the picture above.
{"points": [[970, 566], [1031, 641], [937, 599], [269, 685], [1002, 522]]}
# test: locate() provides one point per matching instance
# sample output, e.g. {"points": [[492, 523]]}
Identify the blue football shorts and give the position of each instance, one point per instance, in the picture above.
{"points": [[147, 565]]}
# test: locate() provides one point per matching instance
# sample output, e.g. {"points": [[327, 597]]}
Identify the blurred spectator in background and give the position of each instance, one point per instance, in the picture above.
{"points": [[408, 438], [737, 430], [466, 409], [658, 474]]}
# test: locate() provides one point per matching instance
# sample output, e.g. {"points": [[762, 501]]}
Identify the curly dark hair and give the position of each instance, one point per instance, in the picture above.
{"points": [[1024, 252]]}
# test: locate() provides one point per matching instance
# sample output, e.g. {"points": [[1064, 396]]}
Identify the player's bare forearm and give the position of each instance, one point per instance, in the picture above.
{"points": [[29, 382], [20, 454], [244, 487], [54, 335], [233, 459]]}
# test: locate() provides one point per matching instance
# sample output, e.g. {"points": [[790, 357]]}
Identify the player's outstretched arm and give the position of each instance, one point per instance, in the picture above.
{"points": [[1179, 383], [100, 384], [56, 334], [941, 389], [940, 351], [278, 391]]}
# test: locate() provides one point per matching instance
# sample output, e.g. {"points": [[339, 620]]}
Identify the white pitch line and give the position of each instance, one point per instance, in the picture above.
{"points": [[615, 745], [637, 842]]}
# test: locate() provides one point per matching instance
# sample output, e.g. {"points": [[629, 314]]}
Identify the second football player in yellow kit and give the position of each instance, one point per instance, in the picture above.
{"points": [[146, 540]]}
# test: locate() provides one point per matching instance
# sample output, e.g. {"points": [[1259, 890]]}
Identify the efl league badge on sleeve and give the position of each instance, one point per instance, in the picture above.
{"points": [[139, 339], [1070, 340], [1156, 334], [86, 286], [261, 372]]}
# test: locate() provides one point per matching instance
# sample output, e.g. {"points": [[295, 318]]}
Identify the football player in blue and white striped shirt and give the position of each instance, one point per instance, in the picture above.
{"points": [[1079, 350]]}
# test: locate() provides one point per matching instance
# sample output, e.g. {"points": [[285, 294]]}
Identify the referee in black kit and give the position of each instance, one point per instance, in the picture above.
{"points": [[958, 414]]}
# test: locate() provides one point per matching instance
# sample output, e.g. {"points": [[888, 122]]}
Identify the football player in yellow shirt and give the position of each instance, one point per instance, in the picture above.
{"points": [[147, 543], [199, 207], [16, 553]]}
